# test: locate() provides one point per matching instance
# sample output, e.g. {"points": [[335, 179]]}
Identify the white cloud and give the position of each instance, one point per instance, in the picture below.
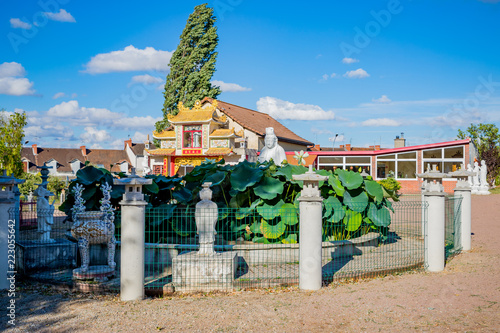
{"points": [[229, 87], [340, 138], [139, 137], [73, 95], [61, 16], [17, 23], [280, 109], [325, 77], [58, 95], [333, 75], [145, 79], [16, 86], [11, 69], [357, 74], [12, 82], [381, 122], [129, 59], [382, 99], [93, 135], [349, 60]]}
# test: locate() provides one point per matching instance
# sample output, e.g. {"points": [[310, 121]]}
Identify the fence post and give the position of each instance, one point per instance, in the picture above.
{"points": [[7, 227], [463, 190], [434, 237], [310, 234], [133, 218]]}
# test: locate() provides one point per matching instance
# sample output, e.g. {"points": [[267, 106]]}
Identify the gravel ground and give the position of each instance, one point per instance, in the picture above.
{"points": [[463, 298]]}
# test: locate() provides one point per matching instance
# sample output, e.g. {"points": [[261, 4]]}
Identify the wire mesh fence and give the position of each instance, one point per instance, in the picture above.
{"points": [[254, 248], [453, 226]]}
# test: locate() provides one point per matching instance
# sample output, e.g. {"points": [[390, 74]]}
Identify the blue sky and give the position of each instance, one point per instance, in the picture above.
{"points": [[92, 73]]}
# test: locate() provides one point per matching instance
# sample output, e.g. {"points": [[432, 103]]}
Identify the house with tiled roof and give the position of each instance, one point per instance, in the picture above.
{"points": [[216, 130], [65, 162]]}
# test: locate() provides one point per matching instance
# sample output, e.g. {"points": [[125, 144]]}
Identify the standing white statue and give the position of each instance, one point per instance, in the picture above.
{"points": [[469, 178], [272, 150], [44, 213], [484, 187], [145, 165], [475, 178], [206, 215]]}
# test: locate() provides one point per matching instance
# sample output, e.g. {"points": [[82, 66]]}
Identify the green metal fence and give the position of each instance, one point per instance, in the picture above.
{"points": [[264, 242], [453, 222]]}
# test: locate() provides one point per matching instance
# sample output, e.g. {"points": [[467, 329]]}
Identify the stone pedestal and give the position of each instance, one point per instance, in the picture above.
{"points": [[311, 221], [32, 256], [97, 272], [194, 272]]}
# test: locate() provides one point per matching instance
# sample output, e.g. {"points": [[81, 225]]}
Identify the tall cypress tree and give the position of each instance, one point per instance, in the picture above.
{"points": [[192, 64]]}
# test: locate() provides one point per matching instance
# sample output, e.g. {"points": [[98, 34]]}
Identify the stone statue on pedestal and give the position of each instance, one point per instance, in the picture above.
{"points": [[206, 215], [475, 178], [469, 178], [44, 213], [272, 150], [484, 186]]}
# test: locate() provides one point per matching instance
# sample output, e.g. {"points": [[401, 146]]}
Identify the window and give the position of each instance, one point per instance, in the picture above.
{"points": [[399, 166], [352, 163], [192, 137], [447, 159]]}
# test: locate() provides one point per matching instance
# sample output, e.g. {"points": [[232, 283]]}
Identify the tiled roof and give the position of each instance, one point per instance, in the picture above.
{"points": [[222, 132], [218, 151], [257, 122], [64, 156], [164, 135], [138, 148], [161, 151], [196, 113]]}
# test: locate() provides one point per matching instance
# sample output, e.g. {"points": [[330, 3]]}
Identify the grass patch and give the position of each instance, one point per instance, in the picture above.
{"points": [[495, 190]]}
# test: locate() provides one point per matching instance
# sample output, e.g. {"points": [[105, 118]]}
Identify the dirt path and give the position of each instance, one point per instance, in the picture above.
{"points": [[463, 298]]}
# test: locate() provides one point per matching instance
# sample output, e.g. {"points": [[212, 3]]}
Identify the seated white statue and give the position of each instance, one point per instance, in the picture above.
{"points": [[272, 150]]}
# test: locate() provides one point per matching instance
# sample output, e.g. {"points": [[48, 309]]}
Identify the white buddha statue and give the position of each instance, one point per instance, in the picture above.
{"points": [[272, 150]]}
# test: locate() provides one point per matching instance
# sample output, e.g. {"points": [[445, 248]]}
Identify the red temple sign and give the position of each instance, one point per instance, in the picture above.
{"points": [[191, 152]]}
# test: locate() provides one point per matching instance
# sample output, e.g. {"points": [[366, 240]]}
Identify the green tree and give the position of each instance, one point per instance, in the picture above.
{"points": [[31, 183], [11, 141], [487, 141], [192, 64]]}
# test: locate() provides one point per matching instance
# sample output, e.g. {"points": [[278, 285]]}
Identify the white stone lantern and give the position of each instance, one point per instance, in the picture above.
{"points": [[7, 186], [433, 180], [133, 186]]}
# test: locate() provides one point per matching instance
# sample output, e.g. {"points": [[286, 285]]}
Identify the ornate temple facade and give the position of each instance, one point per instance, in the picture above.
{"points": [[215, 130]]}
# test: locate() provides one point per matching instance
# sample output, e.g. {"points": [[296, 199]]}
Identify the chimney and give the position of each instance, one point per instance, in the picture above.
{"points": [[341, 147], [84, 150], [348, 147], [400, 142], [377, 147], [128, 143], [146, 143], [35, 149]]}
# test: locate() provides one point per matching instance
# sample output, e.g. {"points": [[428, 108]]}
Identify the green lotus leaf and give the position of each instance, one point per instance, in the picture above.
{"points": [[338, 211], [352, 220], [182, 195], [89, 175], [244, 212], [156, 216], [350, 179], [328, 204], [244, 176], [151, 188], [239, 200], [356, 200], [289, 170], [374, 189], [291, 239], [288, 214], [272, 231], [260, 240], [268, 188], [255, 228], [118, 191], [380, 217], [216, 178], [270, 212], [388, 204], [89, 192], [336, 185]]}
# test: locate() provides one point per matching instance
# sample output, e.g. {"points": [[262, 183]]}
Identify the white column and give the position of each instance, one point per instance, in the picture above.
{"points": [[466, 215], [310, 265], [435, 235], [132, 250], [5, 217]]}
